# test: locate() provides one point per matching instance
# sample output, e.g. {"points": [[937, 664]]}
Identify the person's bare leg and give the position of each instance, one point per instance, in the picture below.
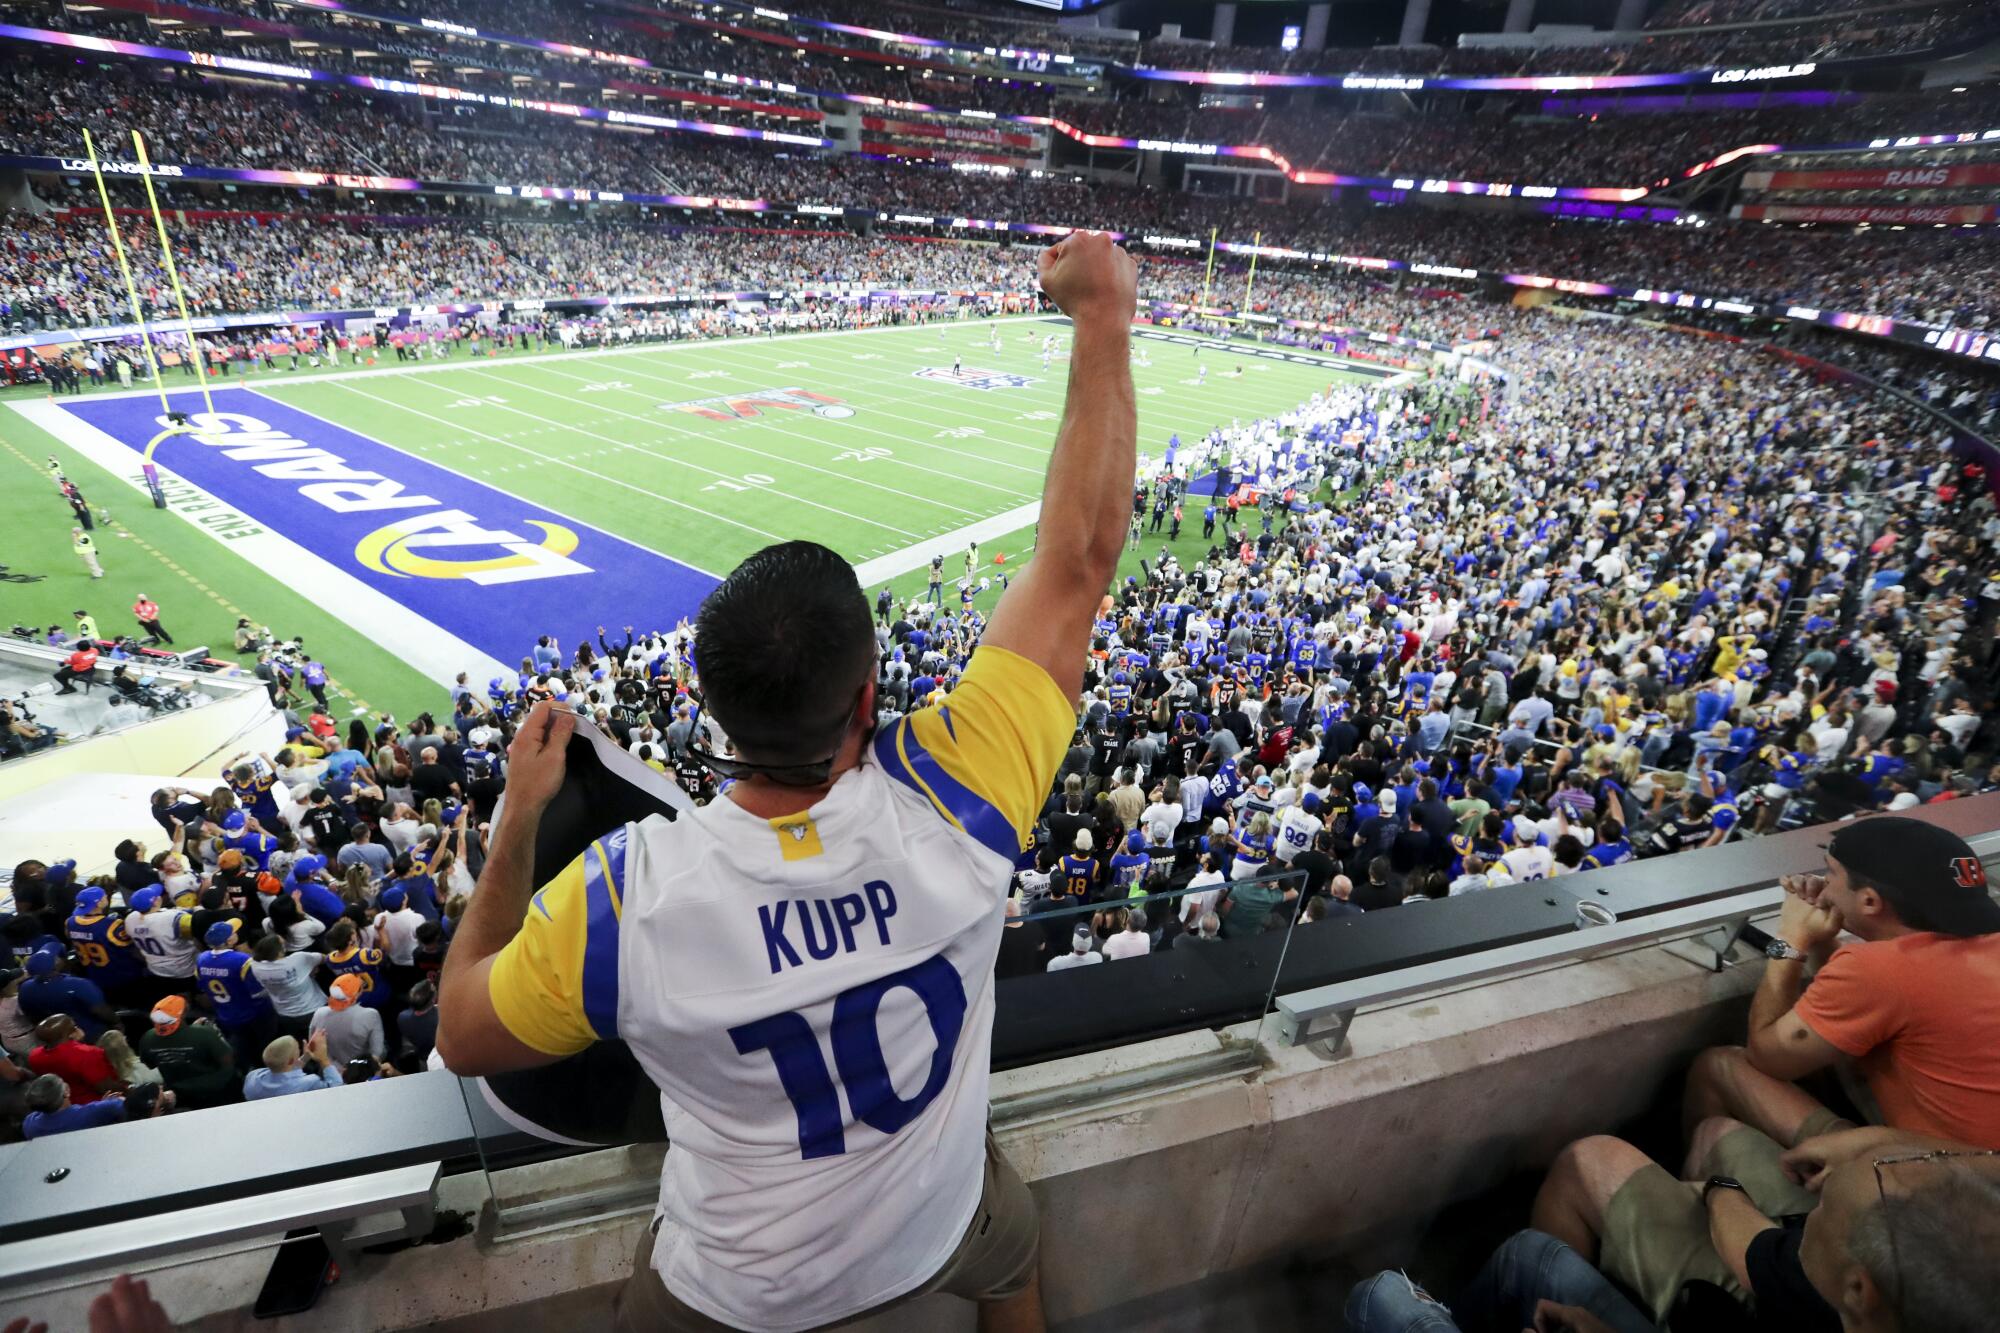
{"points": [[1019, 1313], [1722, 1083], [1702, 1143], [1579, 1187]]}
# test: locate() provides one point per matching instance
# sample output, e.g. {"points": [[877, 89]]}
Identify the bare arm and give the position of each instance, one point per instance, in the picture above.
{"points": [[1733, 1222], [1779, 1043], [1046, 615]]}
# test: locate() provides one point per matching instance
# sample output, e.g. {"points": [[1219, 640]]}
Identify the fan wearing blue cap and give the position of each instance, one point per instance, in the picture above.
{"points": [[165, 935], [316, 898], [242, 1010], [241, 834], [105, 948], [1298, 825], [1120, 694], [50, 990], [1131, 866]]}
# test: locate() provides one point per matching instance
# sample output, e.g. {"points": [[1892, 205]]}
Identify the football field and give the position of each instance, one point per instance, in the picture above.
{"points": [[447, 513]]}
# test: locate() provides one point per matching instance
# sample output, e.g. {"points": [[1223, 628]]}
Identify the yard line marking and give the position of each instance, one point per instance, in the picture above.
{"points": [[405, 635], [774, 421], [722, 476], [718, 437], [599, 476], [873, 409], [918, 555], [929, 397]]}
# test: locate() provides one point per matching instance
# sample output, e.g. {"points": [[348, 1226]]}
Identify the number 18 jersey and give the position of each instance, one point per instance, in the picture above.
{"points": [[813, 995]]}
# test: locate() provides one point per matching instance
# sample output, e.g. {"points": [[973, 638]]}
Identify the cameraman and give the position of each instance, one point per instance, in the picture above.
{"points": [[18, 734]]}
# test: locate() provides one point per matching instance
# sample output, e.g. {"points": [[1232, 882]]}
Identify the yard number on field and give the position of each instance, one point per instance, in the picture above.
{"points": [[744, 483]]}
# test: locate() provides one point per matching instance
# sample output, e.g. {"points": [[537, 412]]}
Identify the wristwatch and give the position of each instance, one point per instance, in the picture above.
{"points": [[1715, 1183], [1784, 951]]}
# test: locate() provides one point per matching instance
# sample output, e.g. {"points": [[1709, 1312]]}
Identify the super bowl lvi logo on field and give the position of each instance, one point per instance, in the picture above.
{"points": [[972, 377], [410, 548]]}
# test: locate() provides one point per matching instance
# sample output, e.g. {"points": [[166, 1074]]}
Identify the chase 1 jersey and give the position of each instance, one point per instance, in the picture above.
{"points": [[813, 995]]}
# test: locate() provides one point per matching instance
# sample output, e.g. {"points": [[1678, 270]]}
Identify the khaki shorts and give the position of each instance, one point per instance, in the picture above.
{"points": [[995, 1259], [1656, 1236]]}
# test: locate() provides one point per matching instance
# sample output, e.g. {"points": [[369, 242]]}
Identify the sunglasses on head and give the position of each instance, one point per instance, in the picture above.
{"points": [[810, 774]]}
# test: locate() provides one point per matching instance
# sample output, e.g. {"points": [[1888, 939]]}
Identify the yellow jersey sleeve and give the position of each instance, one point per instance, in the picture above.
{"points": [[986, 756], [555, 985]]}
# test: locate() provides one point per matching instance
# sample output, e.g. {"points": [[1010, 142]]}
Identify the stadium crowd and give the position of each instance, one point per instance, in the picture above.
{"points": [[189, 120], [56, 269], [1429, 644]]}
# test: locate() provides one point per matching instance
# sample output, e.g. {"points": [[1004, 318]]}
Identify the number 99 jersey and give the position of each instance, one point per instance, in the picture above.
{"points": [[813, 995]]}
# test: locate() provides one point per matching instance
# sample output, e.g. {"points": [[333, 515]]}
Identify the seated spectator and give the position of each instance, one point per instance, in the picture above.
{"points": [[1801, 1235], [1338, 903], [50, 1110], [1914, 999], [290, 1068], [1207, 930], [1080, 955], [1532, 1282], [1131, 939], [131, 1070]]}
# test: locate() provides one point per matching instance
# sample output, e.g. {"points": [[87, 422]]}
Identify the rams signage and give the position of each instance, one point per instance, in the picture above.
{"points": [[486, 566]]}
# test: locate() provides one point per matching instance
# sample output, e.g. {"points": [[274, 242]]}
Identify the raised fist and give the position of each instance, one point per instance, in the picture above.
{"points": [[1089, 277]]}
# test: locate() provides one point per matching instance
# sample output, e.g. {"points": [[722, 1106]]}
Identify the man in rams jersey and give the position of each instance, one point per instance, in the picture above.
{"points": [[107, 952], [804, 966]]}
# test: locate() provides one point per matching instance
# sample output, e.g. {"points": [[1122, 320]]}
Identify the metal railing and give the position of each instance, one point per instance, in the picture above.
{"points": [[1704, 933]]}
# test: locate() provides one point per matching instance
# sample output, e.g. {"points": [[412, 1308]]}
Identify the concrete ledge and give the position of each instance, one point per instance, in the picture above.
{"points": [[1195, 1157]]}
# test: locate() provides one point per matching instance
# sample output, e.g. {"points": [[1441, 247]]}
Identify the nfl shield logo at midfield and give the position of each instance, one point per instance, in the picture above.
{"points": [[972, 377]]}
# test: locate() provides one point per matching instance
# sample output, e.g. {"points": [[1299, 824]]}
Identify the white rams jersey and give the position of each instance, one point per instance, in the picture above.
{"points": [[813, 995], [166, 938], [1296, 831]]}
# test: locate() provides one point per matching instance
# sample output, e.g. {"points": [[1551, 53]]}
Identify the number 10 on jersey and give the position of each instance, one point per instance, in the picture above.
{"points": [[858, 1056]]}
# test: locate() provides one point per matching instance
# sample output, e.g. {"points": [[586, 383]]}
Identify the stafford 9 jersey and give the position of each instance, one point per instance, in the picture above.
{"points": [[813, 995], [238, 996]]}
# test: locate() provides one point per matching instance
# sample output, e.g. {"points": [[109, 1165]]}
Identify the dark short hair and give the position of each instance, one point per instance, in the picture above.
{"points": [[784, 645]]}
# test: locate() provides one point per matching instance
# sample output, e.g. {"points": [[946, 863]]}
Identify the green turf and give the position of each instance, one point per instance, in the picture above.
{"points": [[586, 435]]}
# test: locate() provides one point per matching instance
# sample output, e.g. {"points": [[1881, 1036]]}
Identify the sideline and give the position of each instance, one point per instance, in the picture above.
{"points": [[532, 358], [391, 626]]}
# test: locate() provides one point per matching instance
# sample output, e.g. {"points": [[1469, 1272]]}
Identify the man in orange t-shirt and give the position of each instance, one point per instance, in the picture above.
{"points": [[1914, 1000]]}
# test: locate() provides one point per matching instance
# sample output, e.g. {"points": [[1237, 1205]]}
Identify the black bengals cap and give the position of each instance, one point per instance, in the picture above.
{"points": [[1930, 875]]}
